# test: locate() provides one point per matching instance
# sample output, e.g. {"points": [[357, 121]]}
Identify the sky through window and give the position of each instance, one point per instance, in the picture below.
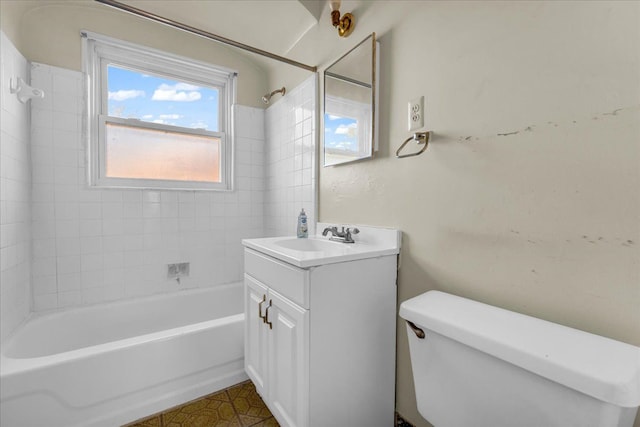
{"points": [[150, 98], [341, 133]]}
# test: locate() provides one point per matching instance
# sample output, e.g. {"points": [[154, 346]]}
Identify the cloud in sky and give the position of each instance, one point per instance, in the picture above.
{"points": [[333, 117], [199, 125], [147, 116], [183, 92], [122, 95], [349, 130], [170, 116]]}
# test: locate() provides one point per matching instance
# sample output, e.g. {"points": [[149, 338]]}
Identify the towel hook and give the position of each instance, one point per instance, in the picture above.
{"points": [[419, 138]]}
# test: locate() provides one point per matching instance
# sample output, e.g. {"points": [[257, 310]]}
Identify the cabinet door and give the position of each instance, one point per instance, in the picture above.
{"points": [[288, 361], [255, 333]]}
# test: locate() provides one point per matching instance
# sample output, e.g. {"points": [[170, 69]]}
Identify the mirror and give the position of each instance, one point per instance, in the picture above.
{"points": [[350, 105]]}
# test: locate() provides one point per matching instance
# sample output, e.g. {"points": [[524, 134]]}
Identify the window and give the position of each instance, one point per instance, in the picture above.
{"points": [[347, 127], [156, 120]]}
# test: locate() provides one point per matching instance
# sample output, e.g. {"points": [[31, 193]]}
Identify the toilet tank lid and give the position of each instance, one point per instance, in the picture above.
{"points": [[600, 367]]}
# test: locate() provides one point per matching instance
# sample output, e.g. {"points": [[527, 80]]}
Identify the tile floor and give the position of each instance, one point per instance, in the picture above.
{"points": [[236, 406]]}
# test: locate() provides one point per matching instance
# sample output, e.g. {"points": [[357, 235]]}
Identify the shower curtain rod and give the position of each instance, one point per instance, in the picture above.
{"points": [[205, 34]]}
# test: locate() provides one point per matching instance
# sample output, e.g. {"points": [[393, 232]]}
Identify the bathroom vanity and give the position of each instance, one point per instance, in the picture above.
{"points": [[320, 327]]}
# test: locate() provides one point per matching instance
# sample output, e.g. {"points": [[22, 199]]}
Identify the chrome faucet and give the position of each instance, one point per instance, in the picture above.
{"points": [[343, 236]]}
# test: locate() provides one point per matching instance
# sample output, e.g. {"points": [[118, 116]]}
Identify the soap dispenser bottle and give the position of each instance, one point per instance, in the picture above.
{"points": [[303, 229]]}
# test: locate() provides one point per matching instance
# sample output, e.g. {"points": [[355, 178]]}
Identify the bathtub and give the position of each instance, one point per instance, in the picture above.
{"points": [[110, 364]]}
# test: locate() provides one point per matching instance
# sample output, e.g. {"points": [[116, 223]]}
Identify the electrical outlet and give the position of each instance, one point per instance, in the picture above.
{"points": [[416, 113]]}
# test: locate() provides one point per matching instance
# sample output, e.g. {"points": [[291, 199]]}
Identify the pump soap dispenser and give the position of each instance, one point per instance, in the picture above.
{"points": [[303, 229]]}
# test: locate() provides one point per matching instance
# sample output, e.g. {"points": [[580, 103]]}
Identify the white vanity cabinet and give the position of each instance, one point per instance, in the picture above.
{"points": [[320, 340], [277, 350]]}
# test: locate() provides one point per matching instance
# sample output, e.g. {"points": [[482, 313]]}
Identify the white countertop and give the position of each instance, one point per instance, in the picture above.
{"points": [[317, 250]]}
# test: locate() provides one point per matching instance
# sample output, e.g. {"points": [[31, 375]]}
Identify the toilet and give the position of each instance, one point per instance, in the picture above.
{"points": [[478, 365]]}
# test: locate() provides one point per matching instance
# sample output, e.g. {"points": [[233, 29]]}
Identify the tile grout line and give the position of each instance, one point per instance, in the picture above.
{"points": [[226, 391]]}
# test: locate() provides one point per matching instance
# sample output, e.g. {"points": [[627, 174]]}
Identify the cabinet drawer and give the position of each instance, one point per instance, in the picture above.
{"points": [[289, 281]]}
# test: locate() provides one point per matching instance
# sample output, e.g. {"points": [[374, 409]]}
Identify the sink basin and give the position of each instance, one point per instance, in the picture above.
{"points": [[312, 245], [319, 250]]}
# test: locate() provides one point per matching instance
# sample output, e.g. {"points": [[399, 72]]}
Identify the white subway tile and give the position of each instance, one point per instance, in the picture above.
{"points": [[67, 246], [69, 299], [169, 209], [133, 227], [90, 227], [44, 248], [90, 210], [187, 210], [112, 244], [114, 275], [112, 210], [45, 302], [151, 196], [43, 229], [153, 225], [68, 264], [112, 227], [67, 211], [91, 262], [93, 295], [133, 242], [170, 225], [67, 123], [40, 266], [132, 196], [69, 282], [44, 285], [169, 197], [132, 210], [151, 210], [65, 175], [41, 119], [67, 228], [92, 279], [91, 244], [112, 196]]}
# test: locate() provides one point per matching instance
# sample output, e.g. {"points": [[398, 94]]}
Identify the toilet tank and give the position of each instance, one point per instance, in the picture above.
{"points": [[484, 366]]}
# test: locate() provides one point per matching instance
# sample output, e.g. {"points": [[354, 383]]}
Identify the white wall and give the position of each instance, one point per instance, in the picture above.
{"points": [[291, 159], [528, 197], [15, 191], [93, 245]]}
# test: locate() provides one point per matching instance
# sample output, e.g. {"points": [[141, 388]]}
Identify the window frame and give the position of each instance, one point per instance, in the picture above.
{"points": [[101, 51]]}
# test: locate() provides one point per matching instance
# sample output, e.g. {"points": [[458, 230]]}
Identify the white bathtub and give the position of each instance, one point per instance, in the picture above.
{"points": [[110, 364]]}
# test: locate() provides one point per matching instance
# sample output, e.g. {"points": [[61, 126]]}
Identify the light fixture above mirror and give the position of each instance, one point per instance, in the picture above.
{"points": [[344, 24]]}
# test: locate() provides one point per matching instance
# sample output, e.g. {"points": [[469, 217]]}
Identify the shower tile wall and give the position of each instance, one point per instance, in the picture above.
{"points": [[291, 159], [15, 188], [94, 245]]}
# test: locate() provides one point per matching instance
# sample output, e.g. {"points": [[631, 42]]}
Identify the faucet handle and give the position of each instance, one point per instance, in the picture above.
{"points": [[353, 231]]}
